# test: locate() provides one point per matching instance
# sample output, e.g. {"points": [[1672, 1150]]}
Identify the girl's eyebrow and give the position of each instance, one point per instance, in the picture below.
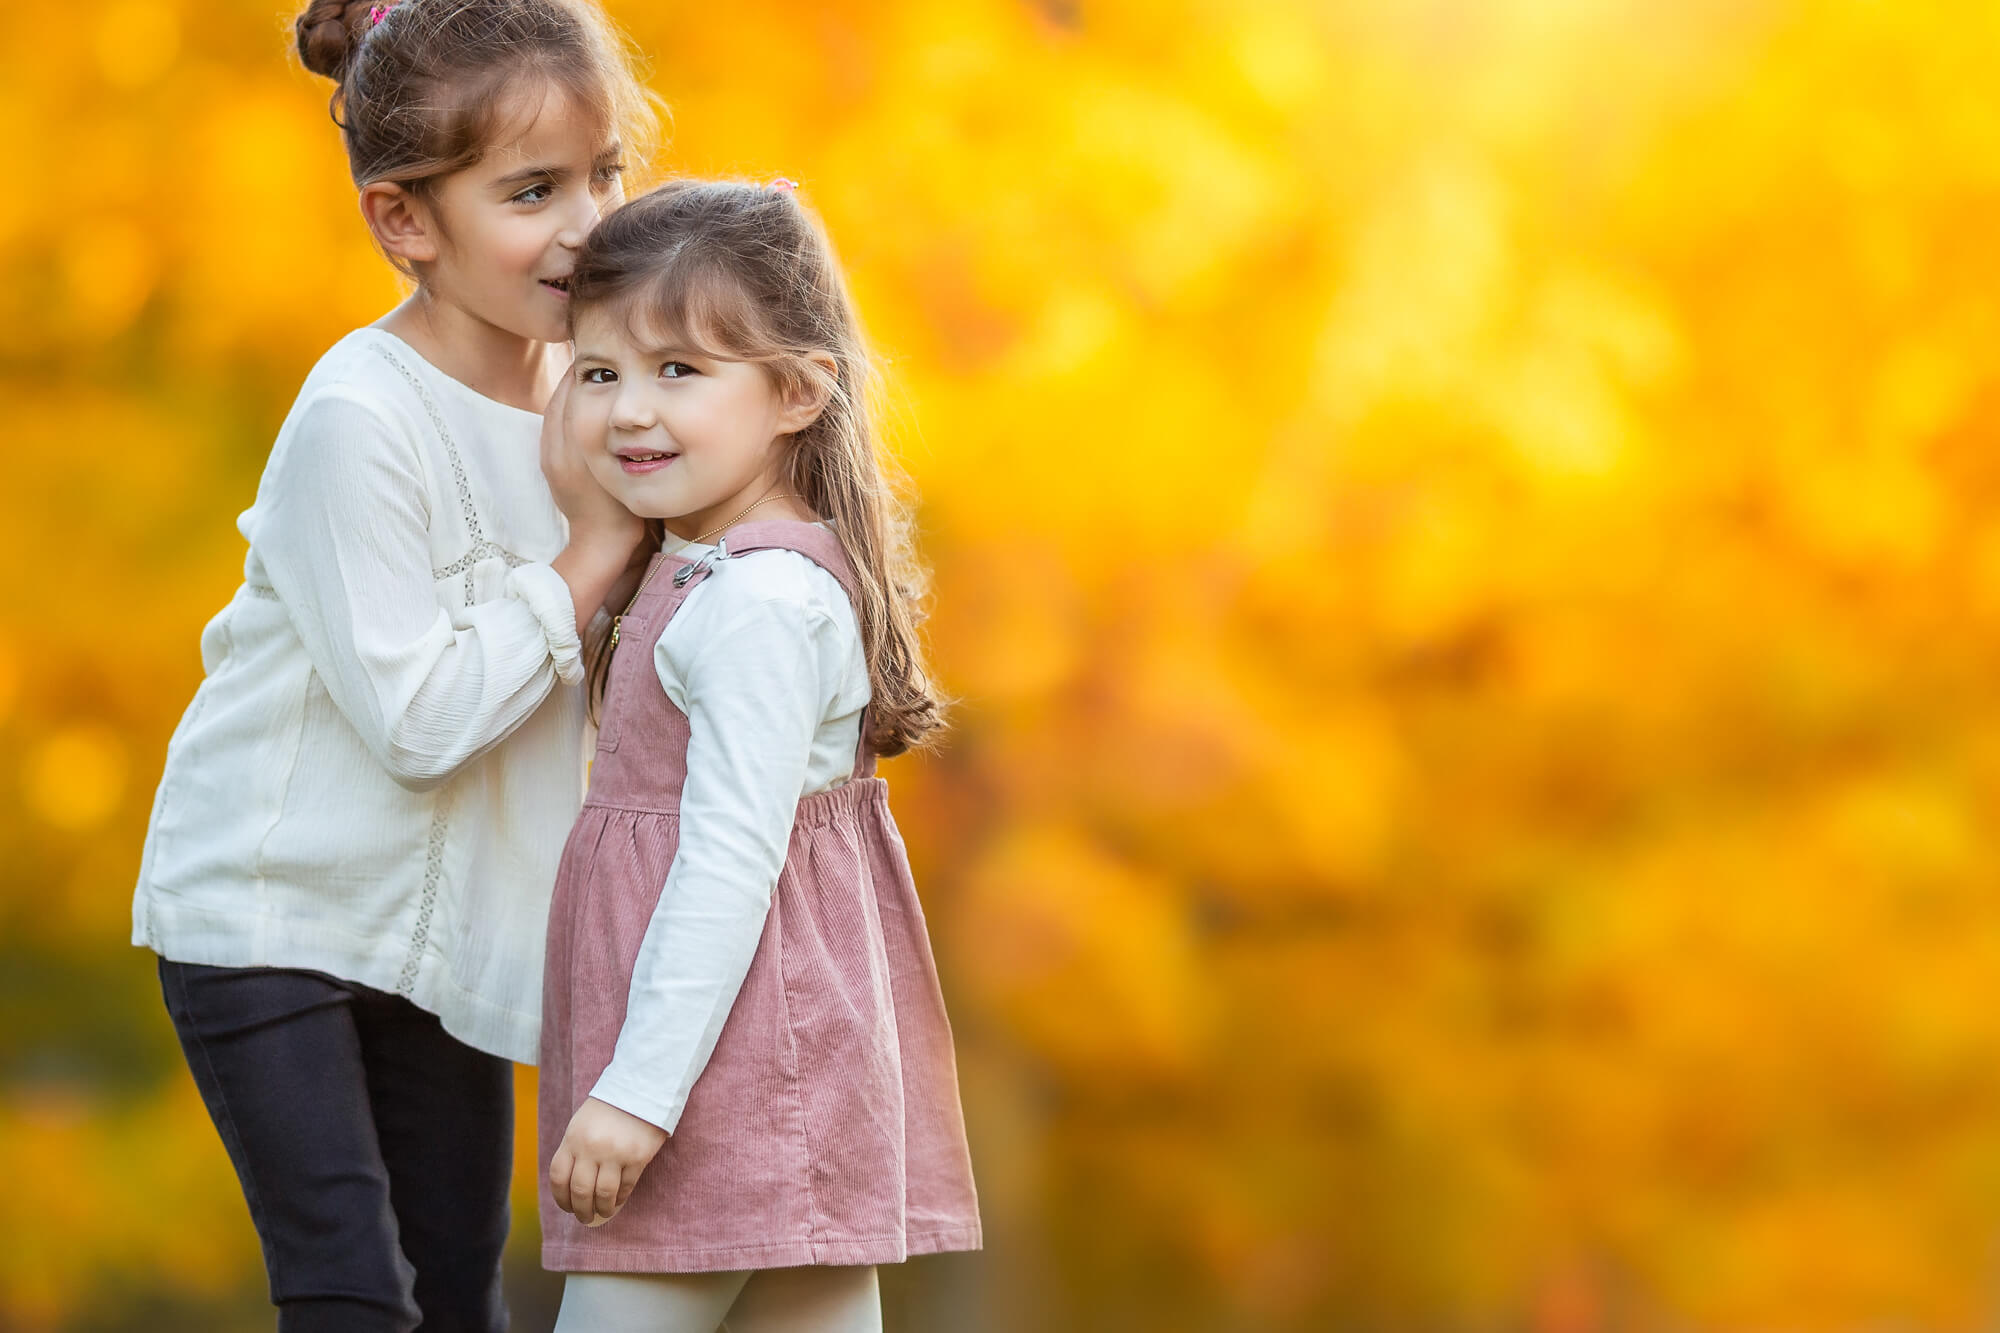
{"points": [[669, 347], [539, 172], [528, 174]]}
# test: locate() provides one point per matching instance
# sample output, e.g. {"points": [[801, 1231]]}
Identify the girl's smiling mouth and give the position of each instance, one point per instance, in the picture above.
{"points": [[638, 464]]}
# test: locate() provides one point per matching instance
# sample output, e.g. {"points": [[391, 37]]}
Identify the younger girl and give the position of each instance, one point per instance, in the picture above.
{"points": [[347, 871], [748, 1094]]}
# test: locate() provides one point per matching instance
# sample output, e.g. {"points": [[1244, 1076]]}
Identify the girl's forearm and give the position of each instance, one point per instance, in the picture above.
{"points": [[592, 569]]}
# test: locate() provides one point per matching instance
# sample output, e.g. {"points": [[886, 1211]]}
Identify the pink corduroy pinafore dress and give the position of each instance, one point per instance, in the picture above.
{"points": [[826, 1127]]}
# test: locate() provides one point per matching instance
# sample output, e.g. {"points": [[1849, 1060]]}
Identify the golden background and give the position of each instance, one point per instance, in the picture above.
{"points": [[1461, 530]]}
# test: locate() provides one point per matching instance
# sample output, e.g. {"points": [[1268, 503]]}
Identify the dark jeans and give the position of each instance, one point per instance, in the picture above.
{"points": [[374, 1150]]}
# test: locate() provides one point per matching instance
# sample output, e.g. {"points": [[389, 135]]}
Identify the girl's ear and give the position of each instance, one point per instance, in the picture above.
{"points": [[400, 223], [805, 402]]}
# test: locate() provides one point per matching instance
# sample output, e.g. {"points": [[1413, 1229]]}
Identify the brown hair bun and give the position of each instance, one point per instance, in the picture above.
{"points": [[329, 32]]}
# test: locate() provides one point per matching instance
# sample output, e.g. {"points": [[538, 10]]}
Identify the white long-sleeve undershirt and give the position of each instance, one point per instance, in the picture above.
{"points": [[765, 658]]}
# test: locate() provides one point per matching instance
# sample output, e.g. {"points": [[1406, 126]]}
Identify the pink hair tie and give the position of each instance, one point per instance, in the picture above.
{"points": [[377, 14], [782, 184]]}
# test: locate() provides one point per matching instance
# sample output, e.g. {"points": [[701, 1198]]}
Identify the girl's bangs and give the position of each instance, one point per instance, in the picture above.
{"points": [[690, 307]]}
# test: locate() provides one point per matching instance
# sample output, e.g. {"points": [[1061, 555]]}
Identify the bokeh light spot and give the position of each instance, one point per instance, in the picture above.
{"points": [[76, 777]]}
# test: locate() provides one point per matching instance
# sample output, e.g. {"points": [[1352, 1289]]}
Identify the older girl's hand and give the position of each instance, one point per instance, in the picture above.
{"points": [[602, 1153], [604, 536], [595, 516]]}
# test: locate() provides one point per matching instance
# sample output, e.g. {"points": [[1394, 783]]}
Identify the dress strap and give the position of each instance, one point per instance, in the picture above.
{"points": [[818, 544], [821, 546]]}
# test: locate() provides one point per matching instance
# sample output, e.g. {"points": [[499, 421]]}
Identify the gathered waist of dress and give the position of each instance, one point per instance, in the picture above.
{"points": [[818, 807]]}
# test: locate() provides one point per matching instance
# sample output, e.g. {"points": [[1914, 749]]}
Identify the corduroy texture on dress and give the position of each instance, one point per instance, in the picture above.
{"points": [[826, 1127]]}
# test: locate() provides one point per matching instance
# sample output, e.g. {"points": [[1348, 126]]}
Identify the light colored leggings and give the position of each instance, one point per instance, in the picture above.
{"points": [[768, 1300]]}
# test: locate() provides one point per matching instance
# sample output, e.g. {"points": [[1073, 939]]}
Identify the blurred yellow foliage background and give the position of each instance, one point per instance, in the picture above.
{"points": [[1461, 531]]}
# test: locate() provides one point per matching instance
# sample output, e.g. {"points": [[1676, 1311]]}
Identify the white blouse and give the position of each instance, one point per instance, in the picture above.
{"points": [[765, 658], [377, 774]]}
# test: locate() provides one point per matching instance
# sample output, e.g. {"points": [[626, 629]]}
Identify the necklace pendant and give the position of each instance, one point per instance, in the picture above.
{"points": [[616, 623]]}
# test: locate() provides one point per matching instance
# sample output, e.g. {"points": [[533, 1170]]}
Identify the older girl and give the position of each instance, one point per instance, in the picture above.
{"points": [[347, 872]]}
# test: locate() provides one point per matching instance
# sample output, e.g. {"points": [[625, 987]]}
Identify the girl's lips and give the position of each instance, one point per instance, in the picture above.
{"points": [[562, 290], [638, 466]]}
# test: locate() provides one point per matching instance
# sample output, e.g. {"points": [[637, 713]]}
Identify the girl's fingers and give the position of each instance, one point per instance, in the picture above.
{"points": [[583, 1191], [628, 1177], [561, 1167], [607, 1197], [555, 441]]}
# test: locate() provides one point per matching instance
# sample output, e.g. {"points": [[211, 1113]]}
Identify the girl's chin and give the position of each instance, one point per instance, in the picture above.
{"points": [[641, 500]]}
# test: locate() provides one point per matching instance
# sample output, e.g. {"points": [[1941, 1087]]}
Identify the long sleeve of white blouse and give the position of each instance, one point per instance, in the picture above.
{"points": [[342, 535], [755, 692]]}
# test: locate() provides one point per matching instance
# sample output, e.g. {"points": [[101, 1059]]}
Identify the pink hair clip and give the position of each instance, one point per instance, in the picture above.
{"points": [[782, 184], [377, 14]]}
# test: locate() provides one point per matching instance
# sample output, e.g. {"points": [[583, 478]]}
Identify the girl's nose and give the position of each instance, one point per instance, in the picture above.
{"points": [[584, 211], [632, 409]]}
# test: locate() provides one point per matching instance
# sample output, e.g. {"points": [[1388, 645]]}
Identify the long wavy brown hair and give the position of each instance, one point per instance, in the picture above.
{"points": [[746, 273]]}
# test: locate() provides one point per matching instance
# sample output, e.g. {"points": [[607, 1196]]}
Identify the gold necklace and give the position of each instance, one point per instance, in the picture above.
{"points": [[618, 621]]}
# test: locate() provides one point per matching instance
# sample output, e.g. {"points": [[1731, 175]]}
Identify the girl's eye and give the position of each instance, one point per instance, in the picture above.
{"points": [[599, 375], [677, 370], [534, 194], [609, 173]]}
